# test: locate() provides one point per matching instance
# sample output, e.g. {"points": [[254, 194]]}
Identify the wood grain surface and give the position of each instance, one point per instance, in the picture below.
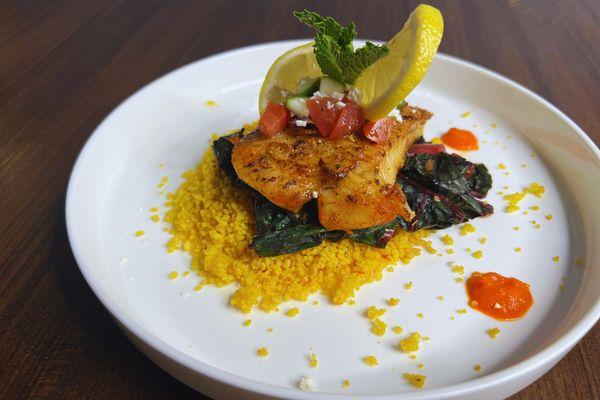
{"points": [[65, 64]]}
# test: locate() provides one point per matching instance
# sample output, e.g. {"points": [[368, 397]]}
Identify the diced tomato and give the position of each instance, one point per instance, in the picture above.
{"points": [[324, 113], [351, 120], [426, 148], [273, 119], [380, 130]]}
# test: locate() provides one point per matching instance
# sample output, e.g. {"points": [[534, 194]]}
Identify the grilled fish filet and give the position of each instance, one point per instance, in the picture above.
{"points": [[353, 179]]}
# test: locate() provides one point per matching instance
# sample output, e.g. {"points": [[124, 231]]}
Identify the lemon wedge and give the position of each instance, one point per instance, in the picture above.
{"points": [[285, 73], [388, 81]]}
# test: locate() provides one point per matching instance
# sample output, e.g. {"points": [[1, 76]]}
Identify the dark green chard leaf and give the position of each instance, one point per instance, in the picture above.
{"points": [[222, 147], [444, 189], [432, 210], [289, 240], [377, 236], [281, 232]]}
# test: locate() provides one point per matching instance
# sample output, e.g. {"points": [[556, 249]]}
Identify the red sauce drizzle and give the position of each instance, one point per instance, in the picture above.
{"points": [[460, 139], [498, 296]]}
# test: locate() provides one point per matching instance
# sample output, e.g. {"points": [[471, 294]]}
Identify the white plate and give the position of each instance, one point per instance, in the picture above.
{"points": [[197, 338]]}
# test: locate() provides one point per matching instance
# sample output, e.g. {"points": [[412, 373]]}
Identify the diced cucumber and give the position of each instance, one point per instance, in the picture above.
{"points": [[297, 105], [330, 86], [307, 86]]}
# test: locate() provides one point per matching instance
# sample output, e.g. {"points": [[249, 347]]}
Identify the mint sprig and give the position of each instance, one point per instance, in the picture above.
{"points": [[334, 49]]}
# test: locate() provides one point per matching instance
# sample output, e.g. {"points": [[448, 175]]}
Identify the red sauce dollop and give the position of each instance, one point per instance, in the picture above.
{"points": [[498, 296], [460, 139]]}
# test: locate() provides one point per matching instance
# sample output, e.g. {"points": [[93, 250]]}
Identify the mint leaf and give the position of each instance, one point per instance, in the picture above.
{"points": [[328, 26], [334, 49], [361, 59], [329, 56]]}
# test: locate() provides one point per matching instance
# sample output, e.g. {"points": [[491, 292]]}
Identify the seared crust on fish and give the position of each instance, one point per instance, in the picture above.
{"points": [[353, 179]]}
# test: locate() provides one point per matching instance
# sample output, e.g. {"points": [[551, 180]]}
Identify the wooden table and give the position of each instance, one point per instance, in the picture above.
{"points": [[64, 65]]}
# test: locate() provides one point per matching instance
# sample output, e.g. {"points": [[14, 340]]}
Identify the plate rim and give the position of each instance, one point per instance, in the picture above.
{"points": [[556, 350]]}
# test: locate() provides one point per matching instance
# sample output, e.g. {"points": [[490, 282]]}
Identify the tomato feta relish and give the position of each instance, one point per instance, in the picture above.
{"points": [[332, 109]]}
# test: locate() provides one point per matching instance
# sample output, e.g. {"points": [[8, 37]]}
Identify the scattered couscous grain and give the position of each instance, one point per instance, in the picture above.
{"points": [[493, 332], [173, 275], [450, 251], [458, 269], [292, 312], [345, 383], [459, 280], [415, 380], [371, 361], [378, 327], [211, 103], [154, 209], [534, 208], [518, 249], [440, 298], [447, 240], [465, 114], [579, 262], [374, 312], [556, 259], [247, 322], [420, 315], [186, 274], [482, 240], [494, 126], [313, 362], [513, 199], [397, 330], [211, 219], [262, 352], [410, 344], [501, 166], [420, 365], [139, 233], [270, 330], [515, 228], [408, 285], [155, 218], [477, 367], [393, 301], [549, 217], [461, 311], [466, 229], [436, 140], [478, 254]]}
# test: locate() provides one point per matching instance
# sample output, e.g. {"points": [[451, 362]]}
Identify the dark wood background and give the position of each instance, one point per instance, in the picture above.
{"points": [[64, 65]]}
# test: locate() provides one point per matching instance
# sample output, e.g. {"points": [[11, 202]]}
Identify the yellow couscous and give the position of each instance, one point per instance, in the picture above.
{"points": [[371, 361], [513, 199], [211, 219], [262, 352], [411, 343], [415, 380]]}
